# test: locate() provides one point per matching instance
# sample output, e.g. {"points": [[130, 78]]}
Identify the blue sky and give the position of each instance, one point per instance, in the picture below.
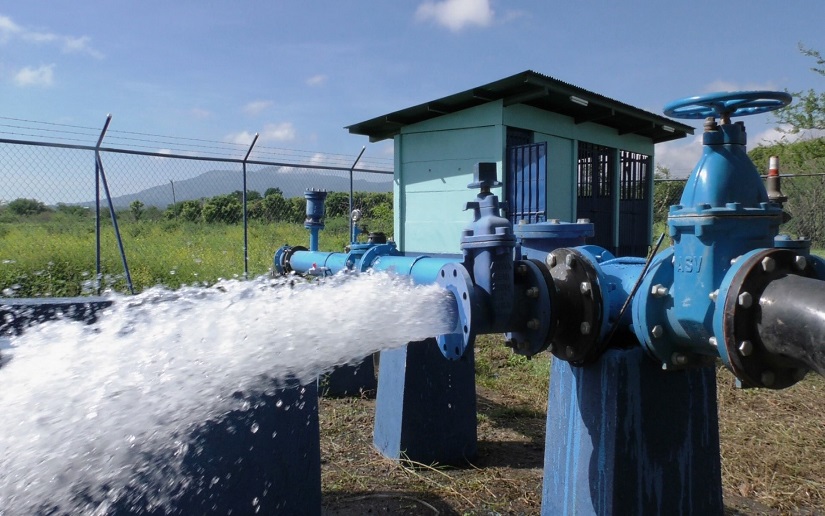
{"points": [[298, 72]]}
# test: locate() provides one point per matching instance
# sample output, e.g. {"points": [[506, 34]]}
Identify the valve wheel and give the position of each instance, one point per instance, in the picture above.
{"points": [[727, 104]]}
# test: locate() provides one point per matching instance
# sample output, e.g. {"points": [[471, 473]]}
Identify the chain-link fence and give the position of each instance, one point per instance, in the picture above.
{"points": [[152, 177], [805, 193]]}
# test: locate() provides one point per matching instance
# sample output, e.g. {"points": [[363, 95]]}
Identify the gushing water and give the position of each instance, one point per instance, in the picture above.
{"points": [[83, 406]]}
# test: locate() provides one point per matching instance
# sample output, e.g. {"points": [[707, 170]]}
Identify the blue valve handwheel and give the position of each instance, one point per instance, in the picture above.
{"points": [[727, 103]]}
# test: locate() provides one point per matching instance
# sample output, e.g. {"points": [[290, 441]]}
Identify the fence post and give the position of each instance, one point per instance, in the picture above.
{"points": [[349, 215], [101, 174], [245, 231]]}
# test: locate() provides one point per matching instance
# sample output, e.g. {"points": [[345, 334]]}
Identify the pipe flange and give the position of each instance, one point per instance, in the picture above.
{"points": [[372, 253], [282, 257], [535, 287], [455, 278], [739, 311], [578, 336]]}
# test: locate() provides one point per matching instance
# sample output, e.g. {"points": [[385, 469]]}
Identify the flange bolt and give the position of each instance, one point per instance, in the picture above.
{"points": [[768, 264], [657, 331], [800, 262], [532, 292], [679, 359], [585, 287], [745, 300], [659, 290], [745, 348], [585, 328]]}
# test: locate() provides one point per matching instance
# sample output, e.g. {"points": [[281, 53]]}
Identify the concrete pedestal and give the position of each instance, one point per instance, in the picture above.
{"points": [[626, 437], [426, 405]]}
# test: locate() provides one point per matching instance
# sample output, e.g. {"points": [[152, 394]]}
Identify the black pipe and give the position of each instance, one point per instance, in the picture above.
{"points": [[792, 321]]}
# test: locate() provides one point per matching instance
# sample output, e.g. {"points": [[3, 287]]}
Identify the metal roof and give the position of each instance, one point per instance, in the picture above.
{"points": [[540, 91]]}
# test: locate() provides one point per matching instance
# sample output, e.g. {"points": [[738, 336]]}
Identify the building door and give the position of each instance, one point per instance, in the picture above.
{"points": [[634, 204], [595, 191], [527, 182]]}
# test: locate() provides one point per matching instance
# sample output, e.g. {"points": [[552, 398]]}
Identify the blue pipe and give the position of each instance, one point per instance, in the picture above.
{"points": [[422, 269]]}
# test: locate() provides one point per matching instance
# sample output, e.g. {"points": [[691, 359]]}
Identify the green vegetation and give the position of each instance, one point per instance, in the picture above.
{"points": [[51, 251]]}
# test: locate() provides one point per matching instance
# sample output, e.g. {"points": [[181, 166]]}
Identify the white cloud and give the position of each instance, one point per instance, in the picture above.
{"points": [[256, 107], [456, 14], [200, 113], [241, 138], [42, 76], [7, 28], [68, 44], [720, 85], [281, 132], [679, 156], [72, 45], [317, 80]]}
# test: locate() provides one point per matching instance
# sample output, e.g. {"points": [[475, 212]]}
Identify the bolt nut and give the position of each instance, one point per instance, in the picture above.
{"points": [[714, 295], [800, 263], [657, 331], [768, 264], [745, 300], [734, 260], [679, 359], [570, 260], [768, 378], [585, 287], [550, 260], [532, 292], [713, 342], [585, 328], [745, 348], [521, 269], [659, 290], [570, 352], [533, 324]]}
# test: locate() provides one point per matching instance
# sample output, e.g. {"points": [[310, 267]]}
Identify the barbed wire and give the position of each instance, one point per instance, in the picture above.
{"points": [[181, 144]]}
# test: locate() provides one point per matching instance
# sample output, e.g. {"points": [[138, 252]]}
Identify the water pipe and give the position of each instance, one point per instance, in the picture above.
{"points": [[315, 215]]}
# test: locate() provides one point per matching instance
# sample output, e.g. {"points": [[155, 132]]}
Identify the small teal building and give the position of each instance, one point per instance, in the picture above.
{"points": [[563, 152]]}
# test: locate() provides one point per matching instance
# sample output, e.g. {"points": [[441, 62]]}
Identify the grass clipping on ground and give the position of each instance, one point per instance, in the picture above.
{"points": [[772, 442]]}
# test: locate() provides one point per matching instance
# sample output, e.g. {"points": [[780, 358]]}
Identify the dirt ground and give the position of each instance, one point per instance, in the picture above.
{"points": [[506, 476]]}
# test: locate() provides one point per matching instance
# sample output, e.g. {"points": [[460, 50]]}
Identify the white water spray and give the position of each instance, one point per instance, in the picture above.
{"points": [[83, 405]]}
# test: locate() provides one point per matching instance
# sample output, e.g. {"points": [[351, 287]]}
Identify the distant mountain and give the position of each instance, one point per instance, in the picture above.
{"points": [[292, 183]]}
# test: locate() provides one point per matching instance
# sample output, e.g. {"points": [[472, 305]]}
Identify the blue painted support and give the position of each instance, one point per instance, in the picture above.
{"points": [[426, 406], [273, 470], [16, 314], [626, 437], [231, 468], [349, 380]]}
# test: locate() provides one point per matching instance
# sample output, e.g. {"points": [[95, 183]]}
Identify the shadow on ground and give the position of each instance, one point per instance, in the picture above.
{"points": [[395, 503]]}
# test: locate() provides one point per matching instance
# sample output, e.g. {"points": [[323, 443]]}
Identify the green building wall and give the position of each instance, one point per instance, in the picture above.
{"points": [[434, 162]]}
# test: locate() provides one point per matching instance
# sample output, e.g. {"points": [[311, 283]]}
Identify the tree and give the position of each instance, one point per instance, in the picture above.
{"points": [[666, 193], [273, 191], [222, 208], [808, 112], [24, 207], [136, 207]]}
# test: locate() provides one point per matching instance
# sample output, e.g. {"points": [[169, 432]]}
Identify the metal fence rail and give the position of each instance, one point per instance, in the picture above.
{"points": [[61, 171]]}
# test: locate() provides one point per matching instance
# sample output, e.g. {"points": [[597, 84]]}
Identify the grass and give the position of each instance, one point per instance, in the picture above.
{"points": [[56, 257]]}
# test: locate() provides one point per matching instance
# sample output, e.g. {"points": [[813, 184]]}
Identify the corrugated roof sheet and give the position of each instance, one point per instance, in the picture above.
{"points": [[540, 91]]}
